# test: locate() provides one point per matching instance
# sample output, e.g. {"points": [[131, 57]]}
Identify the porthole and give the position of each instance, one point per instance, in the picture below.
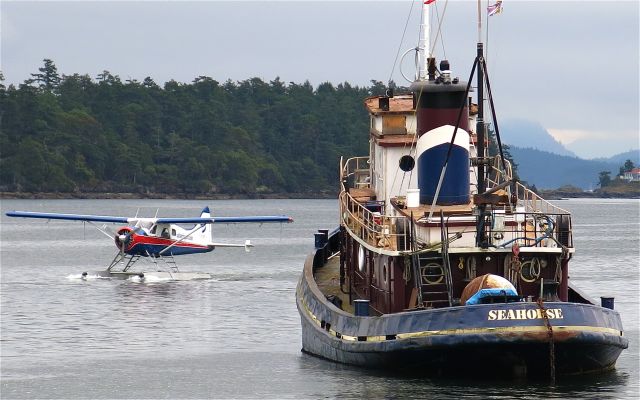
{"points": [[384, 273], [407, 163]]}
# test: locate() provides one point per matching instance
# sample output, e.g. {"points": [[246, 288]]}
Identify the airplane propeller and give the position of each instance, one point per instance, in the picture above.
{"points": [[123, 238]]}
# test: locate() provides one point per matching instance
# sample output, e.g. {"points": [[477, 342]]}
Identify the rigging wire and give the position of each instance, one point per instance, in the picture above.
{"points": [[439, 31], [391, 75], [406, 25], [430, 50], [493, 113], [453, 138]]}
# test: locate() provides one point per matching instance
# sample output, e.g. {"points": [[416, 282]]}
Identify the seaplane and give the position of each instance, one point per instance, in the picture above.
{"points": [[156, 239]]}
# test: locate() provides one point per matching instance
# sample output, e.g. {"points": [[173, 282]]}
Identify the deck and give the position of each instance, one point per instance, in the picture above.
{"points": [[424, 209], [327, 278]]}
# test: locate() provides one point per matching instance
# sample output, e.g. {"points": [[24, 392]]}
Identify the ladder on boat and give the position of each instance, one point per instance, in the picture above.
{"points": [[434, 279], [433, 274]]}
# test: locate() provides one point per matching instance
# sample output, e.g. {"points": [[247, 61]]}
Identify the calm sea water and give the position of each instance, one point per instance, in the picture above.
{"points": [[238, 335]]}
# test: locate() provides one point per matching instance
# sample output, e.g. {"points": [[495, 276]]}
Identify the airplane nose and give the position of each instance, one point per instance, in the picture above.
{"points": [[122, 238]]}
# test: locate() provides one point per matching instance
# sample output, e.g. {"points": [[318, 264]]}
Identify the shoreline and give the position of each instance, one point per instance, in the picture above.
{"points": [[160, 196], [555, 195], [547, 195]]}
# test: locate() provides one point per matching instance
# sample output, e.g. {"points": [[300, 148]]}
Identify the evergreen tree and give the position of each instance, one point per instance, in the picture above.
{"points": [[604, 178], [48, 77]]}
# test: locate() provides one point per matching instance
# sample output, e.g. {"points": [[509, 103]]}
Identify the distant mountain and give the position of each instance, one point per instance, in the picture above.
{"points": [[529, 134], [547, 170], [619, 159]]}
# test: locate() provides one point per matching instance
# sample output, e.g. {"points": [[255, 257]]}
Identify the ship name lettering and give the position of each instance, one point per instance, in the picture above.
{"points": [[551, 313]]}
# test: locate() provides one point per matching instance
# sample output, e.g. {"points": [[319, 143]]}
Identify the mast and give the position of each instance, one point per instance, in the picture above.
{"points": [[480, 130], [423, 44]]}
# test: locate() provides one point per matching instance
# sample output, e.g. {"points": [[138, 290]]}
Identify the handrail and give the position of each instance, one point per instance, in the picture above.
{"points": [[526, 197], [357, 167], [375, 228], [368, 219]]}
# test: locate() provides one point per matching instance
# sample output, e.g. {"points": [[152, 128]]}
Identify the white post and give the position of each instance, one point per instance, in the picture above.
{"points": [[423, 44], [479, 21]]}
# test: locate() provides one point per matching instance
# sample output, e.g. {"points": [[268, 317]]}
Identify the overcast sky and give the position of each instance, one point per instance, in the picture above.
{"points": [[572, 66]]}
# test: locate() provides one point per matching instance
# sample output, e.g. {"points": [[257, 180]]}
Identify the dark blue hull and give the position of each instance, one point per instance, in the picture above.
{"points": [[509, 337]]}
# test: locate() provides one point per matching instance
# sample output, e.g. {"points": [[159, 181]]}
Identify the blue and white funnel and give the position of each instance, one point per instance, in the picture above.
{"points": [[432, 150]]}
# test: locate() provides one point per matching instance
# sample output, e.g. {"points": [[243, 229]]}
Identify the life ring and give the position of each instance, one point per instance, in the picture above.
{"points": [[530, 270], [426, 276]]}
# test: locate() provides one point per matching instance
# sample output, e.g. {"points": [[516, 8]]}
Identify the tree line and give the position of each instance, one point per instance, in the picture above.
{"points": [[74, 133]]}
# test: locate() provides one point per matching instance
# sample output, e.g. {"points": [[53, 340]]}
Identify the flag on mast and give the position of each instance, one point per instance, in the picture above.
{"points": [[494, 9]]}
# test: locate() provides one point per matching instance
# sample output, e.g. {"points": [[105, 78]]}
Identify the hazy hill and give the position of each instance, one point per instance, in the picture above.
{"points": [[546, 163], [619, 159], [549, 171], [529, 134]]}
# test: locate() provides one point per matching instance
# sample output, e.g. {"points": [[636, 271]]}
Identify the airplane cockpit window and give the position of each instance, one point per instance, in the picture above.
{"points": [[153, 230], [165, 233]]}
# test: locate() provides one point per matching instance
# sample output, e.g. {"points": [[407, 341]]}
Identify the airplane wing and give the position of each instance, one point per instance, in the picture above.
{"points": [[224, 220], [125, 220], [70, 217]]}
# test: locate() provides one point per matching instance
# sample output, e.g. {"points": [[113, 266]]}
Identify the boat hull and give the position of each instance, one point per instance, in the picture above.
{"points": [[511, 337]]}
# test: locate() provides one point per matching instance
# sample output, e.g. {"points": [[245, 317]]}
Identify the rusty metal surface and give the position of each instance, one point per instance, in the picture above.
{"points": [[398, 104]]}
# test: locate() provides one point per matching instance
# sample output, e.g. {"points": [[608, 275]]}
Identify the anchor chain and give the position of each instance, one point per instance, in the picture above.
{"points": [[552, 355]]}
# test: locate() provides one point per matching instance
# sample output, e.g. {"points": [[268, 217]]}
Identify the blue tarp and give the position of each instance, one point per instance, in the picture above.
{"points": [[493, 292]]}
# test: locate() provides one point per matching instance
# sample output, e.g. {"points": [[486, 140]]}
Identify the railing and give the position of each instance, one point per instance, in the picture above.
{"points": [[527, 198], [370, 223], [527, 229], [357, 170], [368, 220], [526, 221]]}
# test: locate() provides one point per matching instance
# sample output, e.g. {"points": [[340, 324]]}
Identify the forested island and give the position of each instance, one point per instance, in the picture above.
{"points": [[76, 135]]}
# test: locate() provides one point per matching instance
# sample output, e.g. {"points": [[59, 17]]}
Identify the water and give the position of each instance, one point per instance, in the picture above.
{"points": [[238, 335]]}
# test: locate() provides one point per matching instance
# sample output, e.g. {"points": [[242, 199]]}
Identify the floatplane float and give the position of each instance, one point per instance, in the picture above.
{"points": [[156, 239]]}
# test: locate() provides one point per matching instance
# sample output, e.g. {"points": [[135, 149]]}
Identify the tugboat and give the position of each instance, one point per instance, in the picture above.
{"points": [[443, 262]]}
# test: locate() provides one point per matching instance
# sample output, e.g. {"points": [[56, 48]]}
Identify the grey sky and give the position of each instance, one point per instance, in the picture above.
{"points": [[572, 66]]}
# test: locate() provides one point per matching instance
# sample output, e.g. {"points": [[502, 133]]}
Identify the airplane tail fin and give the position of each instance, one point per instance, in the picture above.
{"points": [[205, 234], [205, 213]]}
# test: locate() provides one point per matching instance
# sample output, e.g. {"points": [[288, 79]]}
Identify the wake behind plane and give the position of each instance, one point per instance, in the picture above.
{"points": [[158, 239]]}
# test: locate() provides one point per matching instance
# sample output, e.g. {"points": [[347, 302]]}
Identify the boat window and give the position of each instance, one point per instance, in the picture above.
{"points": [[407, 163], [384, 273]]}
